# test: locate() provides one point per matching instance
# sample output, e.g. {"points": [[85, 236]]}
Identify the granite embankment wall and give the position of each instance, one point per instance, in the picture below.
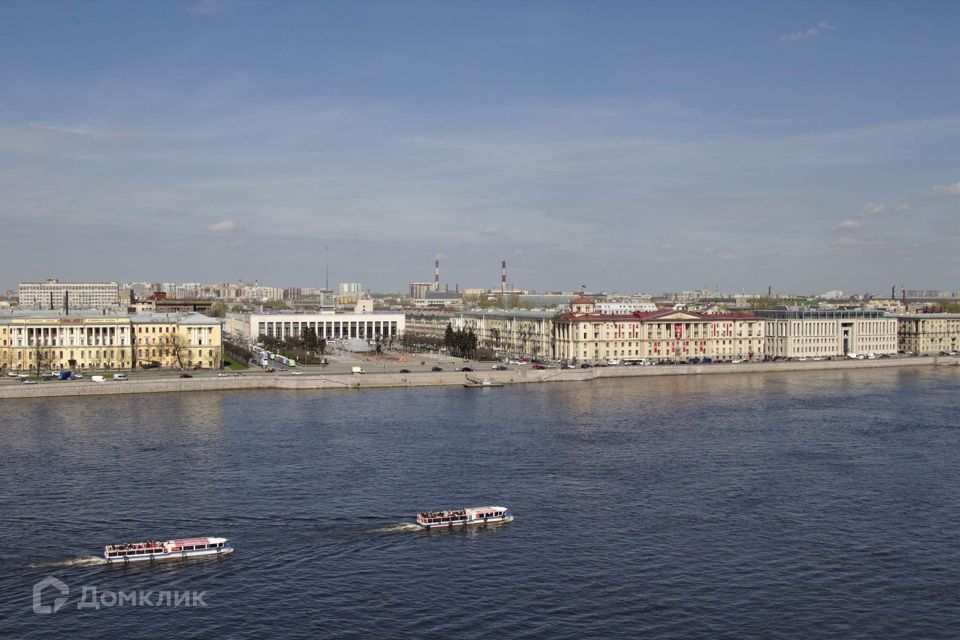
{"points": [[430, 379]]}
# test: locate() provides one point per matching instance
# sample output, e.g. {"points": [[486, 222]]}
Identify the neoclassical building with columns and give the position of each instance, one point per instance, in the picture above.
{"points": [[585, 336], [86, 340]]}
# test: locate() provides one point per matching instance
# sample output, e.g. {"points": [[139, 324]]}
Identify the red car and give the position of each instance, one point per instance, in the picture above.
{"points": [[539, 366]]}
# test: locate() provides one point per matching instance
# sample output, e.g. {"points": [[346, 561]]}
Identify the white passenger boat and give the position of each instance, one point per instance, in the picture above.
{"points": [[166, 550], [464, 517]]}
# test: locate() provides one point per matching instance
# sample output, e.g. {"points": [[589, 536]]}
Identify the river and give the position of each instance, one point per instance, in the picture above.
{"points": [[796, 505]]}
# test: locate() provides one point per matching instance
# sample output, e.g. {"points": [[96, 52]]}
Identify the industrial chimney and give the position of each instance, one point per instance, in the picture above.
{"points": [[436, 274], [503, 276], [66, 303]]}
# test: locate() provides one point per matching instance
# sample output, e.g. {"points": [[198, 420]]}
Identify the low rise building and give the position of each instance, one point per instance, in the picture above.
{"points": [[928, 333], [585, 336], [107, 341], [811, 333], [511, 332], [330, 326]]}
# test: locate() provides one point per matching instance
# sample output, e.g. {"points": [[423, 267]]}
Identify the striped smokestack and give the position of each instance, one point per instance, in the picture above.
{"points": [[503, 276], [436, 274]]}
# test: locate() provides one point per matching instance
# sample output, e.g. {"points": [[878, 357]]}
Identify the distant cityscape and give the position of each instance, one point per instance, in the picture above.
{"points": [[112, 325]]}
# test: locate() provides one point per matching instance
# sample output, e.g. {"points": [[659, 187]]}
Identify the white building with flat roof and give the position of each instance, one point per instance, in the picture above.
{"points": [[625, 306], [811, 333], [53, 295], [331, 326]]}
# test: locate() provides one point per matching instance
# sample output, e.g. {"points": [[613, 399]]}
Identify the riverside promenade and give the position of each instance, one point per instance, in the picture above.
{"points": [[309, 382]]}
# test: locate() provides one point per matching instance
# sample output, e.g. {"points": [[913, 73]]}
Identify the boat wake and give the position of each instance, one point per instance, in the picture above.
{"points": [[400, 527], [79, 561]]}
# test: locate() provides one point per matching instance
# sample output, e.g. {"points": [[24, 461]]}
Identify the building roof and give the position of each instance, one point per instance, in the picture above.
{"points": [[656, 315], [182, 317], [581, 300], [926, 316], [7, 316]]}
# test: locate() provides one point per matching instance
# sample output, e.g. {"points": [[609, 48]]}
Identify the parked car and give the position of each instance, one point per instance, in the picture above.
{"points": [[271, 370], [539, 366], [404, 370], [465, 369], [186, 375], [436, 369], [585, 366], [296, 373]]}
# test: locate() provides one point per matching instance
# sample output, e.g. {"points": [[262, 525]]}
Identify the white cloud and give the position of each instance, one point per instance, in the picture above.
{"points": [[223, 225], [492, 232], [952, 189], [849, 224], [875, 209], [807, 34]]}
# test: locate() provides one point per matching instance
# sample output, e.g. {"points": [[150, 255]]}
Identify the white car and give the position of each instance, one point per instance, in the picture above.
{"points": [[296, 373], [223, 375]]}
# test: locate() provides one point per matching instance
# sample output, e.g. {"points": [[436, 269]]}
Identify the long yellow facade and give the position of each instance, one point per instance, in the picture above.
{"points": [[44, 342]]}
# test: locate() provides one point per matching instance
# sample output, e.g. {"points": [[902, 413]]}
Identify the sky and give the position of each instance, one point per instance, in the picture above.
{"points": [[625, 146]]}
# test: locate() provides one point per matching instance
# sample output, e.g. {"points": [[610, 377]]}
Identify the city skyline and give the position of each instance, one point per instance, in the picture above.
{"points": [[808, 147]]}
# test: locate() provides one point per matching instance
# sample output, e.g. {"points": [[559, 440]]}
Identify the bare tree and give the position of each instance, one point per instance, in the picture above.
{"points": [[174, 345], [42, 358]]}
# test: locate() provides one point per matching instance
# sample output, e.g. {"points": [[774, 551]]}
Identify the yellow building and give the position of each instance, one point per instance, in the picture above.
{"points": [[177, 341], [582, 335], [929, 333], [46, 341]]}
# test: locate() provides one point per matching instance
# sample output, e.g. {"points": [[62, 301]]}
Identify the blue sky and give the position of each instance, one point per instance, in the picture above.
{"points": [[626, 145]]}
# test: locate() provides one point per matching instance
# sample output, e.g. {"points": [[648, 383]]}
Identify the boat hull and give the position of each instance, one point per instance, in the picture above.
{"points": [[175, 555], [466, 523]]}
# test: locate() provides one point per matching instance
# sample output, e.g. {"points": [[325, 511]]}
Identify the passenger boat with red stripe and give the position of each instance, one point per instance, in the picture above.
{"points": [[464, 517], [166, 549]]}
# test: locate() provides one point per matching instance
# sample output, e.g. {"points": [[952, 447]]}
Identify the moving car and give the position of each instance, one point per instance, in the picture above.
{"points": [[436, 369]]}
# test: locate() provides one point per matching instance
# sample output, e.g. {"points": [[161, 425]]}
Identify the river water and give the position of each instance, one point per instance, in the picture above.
{"points": [[800, 505]]}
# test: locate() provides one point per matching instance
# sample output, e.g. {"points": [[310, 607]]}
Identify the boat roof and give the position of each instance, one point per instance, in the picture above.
{"points": [[489, 508], [195, 541]]}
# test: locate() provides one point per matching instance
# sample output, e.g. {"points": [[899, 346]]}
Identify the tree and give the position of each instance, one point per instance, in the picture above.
{"points": [[471, 341], [322, 345], [218, 309], [42, 358], [310, 339], [174, 345], [449, 338]]}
